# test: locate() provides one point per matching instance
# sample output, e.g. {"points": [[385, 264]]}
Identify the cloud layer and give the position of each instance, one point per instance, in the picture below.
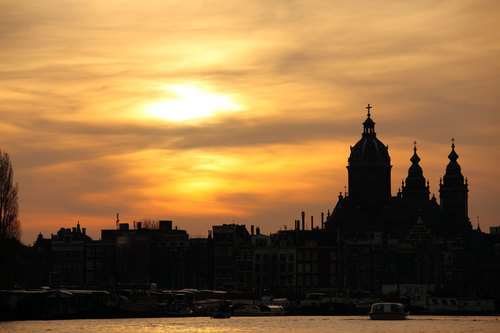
{"points": [[77, 77]]}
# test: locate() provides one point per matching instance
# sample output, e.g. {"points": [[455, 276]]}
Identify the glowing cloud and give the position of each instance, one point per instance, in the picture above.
{"points": [[191, 103]]}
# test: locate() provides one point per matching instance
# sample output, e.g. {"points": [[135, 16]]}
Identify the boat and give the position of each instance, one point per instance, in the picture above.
{"points": [[257, 310], [388, 311]]}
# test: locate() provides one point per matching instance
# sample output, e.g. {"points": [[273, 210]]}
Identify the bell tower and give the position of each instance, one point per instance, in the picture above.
{"points": [[453, 189], [414, 187]]}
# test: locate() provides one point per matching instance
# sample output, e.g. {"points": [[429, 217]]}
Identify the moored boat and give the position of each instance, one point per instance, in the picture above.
{"points": [[388, 311], [257, 310]]}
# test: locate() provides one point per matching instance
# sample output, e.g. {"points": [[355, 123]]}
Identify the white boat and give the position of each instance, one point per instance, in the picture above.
{"points": [[388, 311]]}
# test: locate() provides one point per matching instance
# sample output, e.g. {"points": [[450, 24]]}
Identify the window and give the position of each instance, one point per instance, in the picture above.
{"points": [[308, 280], [311, 243], [333, 281]]}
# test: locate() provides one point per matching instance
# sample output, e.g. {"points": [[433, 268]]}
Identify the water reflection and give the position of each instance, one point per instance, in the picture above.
{"points": [[351, 324]]}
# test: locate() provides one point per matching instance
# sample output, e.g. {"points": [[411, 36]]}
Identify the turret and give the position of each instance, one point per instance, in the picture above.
{"points": [[415, 186], [453, 189]]}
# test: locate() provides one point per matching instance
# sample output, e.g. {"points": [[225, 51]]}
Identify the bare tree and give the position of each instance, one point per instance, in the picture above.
{"points": [[150, 224], [9, 222]]}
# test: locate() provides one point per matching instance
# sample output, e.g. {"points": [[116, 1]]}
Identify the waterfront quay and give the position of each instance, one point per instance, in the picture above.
{"points": [[128, 303]]}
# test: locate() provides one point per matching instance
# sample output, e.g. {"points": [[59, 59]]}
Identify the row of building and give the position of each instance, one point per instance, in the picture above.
{"points": [[288, 263]]}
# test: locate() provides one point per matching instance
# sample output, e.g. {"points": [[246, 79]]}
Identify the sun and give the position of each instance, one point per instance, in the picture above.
{"points": [[190, 102]]}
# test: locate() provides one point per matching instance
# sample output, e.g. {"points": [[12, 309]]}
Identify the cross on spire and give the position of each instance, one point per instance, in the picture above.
{"points": [[415, 145], [452, 142], [368, 108]]}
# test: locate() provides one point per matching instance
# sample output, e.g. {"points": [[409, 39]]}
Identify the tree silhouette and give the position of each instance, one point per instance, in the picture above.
{"points": [[9, 222]]}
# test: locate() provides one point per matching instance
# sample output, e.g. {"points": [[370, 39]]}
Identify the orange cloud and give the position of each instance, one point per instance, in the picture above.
{"points": [[75, 83]]}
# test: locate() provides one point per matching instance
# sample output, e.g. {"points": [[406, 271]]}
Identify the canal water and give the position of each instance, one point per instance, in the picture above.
{"points": [[292, 324]]}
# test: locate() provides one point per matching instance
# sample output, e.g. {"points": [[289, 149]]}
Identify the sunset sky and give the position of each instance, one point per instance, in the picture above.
{"points": [[209, 112]]}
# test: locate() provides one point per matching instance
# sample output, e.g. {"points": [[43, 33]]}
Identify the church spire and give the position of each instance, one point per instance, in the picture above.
{"points": [[453, 173], [453, 156], [415, 159], [453, 191], [415, 187]]}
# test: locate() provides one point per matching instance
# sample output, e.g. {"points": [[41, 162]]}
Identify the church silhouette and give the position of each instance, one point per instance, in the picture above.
{"points": [[369, 206], [408, 244]]}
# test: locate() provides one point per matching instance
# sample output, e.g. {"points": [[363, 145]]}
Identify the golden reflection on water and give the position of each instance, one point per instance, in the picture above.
{"points": [[299, 324]]}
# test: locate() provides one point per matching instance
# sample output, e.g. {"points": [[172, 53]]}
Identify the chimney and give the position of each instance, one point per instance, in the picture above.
{"points": [[166, 225], [303, 220], [123, 226], [312, 222], [139, 225], [251, 230], [322, 220], [297, 224], [257, 230], [84, 230]]}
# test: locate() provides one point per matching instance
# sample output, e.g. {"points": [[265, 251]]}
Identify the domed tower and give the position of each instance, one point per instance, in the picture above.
{"points": [[414, 187], [369, 166], [453, 189]]}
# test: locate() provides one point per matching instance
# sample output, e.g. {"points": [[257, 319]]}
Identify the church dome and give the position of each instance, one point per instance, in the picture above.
{"points": [[369, 166], [369, 150]]}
